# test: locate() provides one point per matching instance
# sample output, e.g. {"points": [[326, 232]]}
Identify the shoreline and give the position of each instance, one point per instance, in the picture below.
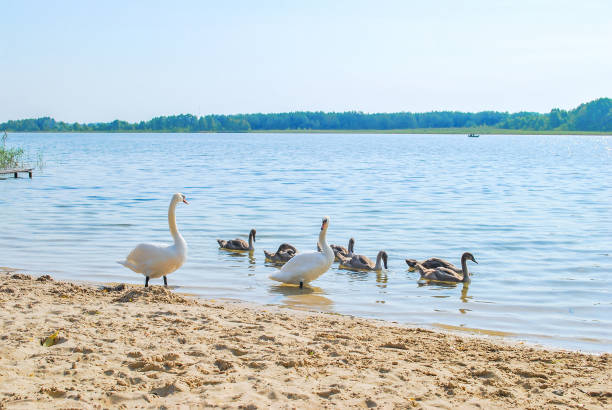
{"points": [[535, 340], [127, 345], [409, 131]]}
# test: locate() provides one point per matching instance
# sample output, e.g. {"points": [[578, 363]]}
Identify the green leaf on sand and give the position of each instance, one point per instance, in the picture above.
{"points": [[51, 340]]}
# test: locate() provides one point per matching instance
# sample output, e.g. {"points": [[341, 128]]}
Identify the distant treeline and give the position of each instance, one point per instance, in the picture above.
{"points": [[593, 116]]}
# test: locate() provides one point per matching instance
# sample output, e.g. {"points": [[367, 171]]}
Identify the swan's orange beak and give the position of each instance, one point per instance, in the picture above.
{"points": [[323, 225], [185, 201]]}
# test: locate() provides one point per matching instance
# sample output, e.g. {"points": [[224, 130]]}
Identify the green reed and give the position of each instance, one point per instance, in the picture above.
{"points": [[10, 157]]}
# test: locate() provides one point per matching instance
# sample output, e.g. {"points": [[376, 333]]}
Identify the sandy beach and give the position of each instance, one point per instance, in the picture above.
{"points": [[131, 347]]}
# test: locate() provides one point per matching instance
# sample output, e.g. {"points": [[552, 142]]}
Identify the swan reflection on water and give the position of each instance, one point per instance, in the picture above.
{"points": [[252, 261], [464, 293], [234, 253], [305, 298], [381, 279], [354, 275], [442, 286], [238, 256]]}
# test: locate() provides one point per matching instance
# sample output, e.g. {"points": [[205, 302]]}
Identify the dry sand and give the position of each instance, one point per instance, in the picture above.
{"points": [[151, 348]]}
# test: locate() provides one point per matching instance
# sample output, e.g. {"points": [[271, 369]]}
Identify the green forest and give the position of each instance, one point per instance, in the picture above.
{"points": [[595, 116]]}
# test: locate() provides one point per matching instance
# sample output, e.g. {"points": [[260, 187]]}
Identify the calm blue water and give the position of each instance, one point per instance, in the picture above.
{"points": [[534, 210]]}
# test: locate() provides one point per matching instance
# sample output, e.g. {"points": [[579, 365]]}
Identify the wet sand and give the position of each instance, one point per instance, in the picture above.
{"points": [[127, 346]]}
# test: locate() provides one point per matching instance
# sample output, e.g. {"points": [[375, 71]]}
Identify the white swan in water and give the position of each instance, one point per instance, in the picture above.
{"points": [[155, 261], [306, 267]]}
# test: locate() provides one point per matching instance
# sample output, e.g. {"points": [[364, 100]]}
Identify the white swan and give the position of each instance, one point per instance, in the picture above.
{"points": [[155, 261], [306, 267]]}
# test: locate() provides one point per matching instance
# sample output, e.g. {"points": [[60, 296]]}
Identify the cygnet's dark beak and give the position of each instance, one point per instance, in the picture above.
{"points": [[474, 260]]}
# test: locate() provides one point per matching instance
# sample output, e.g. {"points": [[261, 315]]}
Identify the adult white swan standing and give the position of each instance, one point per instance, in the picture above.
{"points": [[155, 261], [306, 267]]}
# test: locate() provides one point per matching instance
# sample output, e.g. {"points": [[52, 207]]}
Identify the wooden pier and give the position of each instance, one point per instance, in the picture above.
{"points": [[16, 172]]}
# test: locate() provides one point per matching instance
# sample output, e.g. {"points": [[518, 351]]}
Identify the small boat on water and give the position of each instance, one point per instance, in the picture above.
{"points": [[472, 135]]}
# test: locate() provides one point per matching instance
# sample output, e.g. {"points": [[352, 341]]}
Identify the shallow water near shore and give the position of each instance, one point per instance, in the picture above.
{"points": [[534, 210]]}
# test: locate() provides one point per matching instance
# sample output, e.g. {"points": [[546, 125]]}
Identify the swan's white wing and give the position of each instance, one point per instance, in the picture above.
{"points": [[301, 267], [150, 258], [305, 262], [145, 249]]}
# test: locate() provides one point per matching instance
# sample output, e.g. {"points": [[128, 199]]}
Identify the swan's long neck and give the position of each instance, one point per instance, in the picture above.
{"points": [[327, 250], [251, 241], [464, 268], [350, 247], [178, 239], [378, 261]]}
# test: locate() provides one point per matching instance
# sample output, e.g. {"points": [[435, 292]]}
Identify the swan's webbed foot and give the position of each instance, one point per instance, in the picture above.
{"points": [[165, 282], [301, 284], [147, 282]]}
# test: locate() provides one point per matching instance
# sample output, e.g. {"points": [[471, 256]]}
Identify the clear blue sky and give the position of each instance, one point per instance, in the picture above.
{"points": [[98, 61]]}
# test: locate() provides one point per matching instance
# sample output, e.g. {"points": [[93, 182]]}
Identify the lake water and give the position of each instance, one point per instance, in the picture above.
{"points": [[534, 210]]}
